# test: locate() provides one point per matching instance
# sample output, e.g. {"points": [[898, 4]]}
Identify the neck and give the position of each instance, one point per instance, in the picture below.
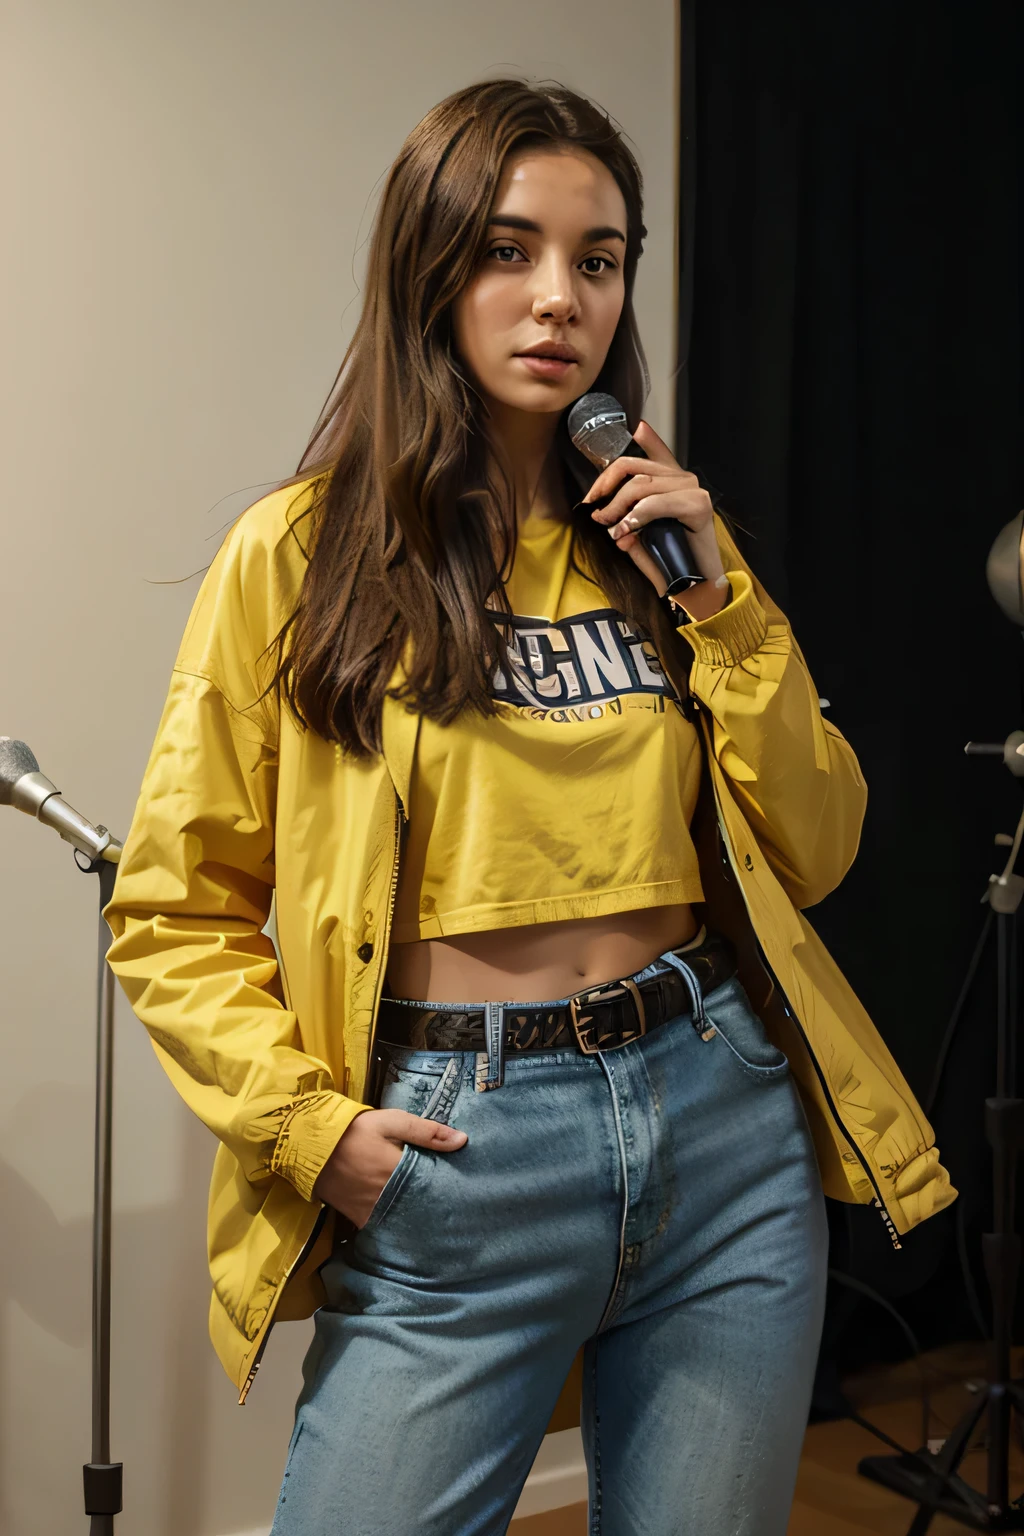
{"points": [[526, 440]]}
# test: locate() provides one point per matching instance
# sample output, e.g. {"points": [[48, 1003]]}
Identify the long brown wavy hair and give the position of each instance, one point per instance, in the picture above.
{"points": [[412, 520]]}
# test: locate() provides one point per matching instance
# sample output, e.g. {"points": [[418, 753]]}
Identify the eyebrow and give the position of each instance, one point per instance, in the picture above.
{"points": [[516, 221]]}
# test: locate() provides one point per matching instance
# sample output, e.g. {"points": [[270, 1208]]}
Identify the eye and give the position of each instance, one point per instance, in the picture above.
{"points": [[506, 254], [605, 263]]}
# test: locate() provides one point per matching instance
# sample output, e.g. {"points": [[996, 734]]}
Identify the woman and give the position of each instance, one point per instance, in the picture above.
{"points": [[436, 705]]}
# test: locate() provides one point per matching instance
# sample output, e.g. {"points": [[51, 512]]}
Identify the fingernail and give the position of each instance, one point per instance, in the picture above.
{"points": [[446, 1133]]}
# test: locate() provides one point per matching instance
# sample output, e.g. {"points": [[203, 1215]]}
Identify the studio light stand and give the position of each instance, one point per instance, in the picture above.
{"points": [[97, 853], [932, 1479], [929, 1478]]}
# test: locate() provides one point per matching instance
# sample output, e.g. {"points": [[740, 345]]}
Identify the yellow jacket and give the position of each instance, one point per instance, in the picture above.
{"points": [[240, 806]]}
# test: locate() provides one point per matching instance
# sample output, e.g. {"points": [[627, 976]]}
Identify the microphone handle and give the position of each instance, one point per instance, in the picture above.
{"points": [[34, 794], [664, 539]]}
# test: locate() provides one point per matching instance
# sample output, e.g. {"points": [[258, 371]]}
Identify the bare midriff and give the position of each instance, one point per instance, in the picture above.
{"points": [[538, 962]]}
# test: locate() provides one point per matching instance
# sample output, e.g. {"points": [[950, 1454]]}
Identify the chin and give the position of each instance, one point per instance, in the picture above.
{"points": [[541, 398]]}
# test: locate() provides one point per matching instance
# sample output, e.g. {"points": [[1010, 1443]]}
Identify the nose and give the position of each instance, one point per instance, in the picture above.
{"points": [[555, 298]]}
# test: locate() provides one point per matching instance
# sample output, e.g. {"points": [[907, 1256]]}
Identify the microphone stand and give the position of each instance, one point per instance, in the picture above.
{"points": [[102, 1477], [96, 853], [930, 1479]]}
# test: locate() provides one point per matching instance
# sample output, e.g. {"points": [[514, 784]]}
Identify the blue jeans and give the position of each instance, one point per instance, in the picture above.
{"points": [[658, 1204]]}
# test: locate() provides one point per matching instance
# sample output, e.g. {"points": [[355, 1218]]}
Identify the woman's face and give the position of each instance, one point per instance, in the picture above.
{"points": [[550, 278]]}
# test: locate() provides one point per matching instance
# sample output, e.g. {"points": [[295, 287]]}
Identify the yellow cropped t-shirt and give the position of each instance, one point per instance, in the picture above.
{"points": [[575, 800]]}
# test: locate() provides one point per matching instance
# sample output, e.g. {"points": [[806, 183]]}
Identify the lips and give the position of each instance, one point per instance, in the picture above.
{"points": [[557, 351]]}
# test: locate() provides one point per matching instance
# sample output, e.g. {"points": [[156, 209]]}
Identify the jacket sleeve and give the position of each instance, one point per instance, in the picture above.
{"points": [[792, 773], [192, 896]]}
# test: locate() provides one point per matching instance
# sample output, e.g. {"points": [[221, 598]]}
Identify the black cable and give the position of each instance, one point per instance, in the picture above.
{"points": [[954, 1019], [873, 1295], [973, 1299], [927, 1412], [879, 1434], [937, 1370]]}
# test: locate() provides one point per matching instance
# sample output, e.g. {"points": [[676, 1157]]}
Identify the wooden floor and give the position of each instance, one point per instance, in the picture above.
{"points": [[831, 1498]]}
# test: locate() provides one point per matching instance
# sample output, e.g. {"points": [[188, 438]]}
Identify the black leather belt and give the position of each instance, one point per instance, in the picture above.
{"points": [[599, 1019]]}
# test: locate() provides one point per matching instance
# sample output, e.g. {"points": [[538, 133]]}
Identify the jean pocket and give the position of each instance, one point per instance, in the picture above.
{"points": [[423, 1083], [389, 1194], [742, 1033]]}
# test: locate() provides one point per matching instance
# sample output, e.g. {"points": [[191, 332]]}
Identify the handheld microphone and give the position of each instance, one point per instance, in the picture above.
{"points": [[28, 790], [597, 426]]}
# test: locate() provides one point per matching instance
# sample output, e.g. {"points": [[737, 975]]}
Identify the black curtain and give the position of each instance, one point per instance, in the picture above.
{"points": [[850, 390]]}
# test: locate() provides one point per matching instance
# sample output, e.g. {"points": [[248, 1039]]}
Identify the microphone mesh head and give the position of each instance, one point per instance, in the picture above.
{"points": [[598, 427], [16, 759], [589, 406]]}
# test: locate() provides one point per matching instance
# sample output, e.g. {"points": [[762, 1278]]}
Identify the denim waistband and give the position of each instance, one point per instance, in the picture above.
{"points": [[491, 1063]]}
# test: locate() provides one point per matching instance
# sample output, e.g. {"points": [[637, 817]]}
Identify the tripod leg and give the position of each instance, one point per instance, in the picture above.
{"points": [[999, 1448], [952, 1454], [1002, 1247], [922, 1520]]}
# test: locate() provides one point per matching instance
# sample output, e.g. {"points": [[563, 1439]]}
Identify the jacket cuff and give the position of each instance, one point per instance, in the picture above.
{"points": [[309, 1134], [735, 632]]}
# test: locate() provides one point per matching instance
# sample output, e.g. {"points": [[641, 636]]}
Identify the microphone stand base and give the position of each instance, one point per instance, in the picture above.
{"points": [[938, 1493]]}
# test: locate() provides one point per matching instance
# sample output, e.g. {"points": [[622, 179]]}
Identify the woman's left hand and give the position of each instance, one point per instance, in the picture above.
{"points": [[659, 487]]}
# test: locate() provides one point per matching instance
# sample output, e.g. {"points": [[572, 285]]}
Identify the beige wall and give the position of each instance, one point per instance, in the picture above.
{"points": [[189, 189]]}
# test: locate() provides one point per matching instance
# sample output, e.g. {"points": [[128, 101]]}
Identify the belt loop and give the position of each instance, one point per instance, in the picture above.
{"points": [[700, 1019], [494, 1028]]}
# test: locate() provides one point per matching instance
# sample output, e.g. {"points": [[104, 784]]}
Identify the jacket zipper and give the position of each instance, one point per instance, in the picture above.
{"points": [[392, 894], [321, 1218], [879, 1202], [269, 1320]]}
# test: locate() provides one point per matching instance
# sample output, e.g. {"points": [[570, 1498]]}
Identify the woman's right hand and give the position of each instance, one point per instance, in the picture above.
{"points": [[368, 1152]]}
